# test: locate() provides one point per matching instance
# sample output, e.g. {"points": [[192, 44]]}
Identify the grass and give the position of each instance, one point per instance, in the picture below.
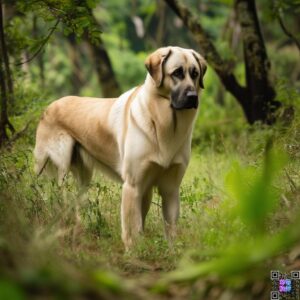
{"points": [[98, 233], [46, 240]]}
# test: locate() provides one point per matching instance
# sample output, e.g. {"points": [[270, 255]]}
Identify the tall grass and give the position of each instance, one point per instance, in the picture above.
{"points": [[237, 203]]}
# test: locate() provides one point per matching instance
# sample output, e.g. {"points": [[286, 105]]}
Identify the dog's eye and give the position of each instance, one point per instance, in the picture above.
{"points": [[178, 73], [194, 74]]}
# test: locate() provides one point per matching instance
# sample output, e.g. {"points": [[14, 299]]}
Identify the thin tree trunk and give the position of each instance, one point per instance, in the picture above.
{"points": [[4, 121], [76, 76], [106, 75], [161, 15], [231, 33], [257, 65], [3, 94], [9, 82], [40, 58]]}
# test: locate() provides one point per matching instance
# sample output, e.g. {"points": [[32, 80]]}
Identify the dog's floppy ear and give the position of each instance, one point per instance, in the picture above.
{"points": [[155, 64], [202, 65]]}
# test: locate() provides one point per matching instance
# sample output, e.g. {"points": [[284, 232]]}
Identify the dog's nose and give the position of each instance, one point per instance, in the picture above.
{"points": [[192, 95]]}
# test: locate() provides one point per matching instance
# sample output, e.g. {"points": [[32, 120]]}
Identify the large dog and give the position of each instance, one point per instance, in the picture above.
{"points": [[142, 138]]}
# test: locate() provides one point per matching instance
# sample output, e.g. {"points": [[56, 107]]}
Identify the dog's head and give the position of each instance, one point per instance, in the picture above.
{"points": [[178, 75]]}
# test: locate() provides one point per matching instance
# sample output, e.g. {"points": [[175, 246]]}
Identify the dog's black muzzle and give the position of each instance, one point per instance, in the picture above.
{"points": [[189, 100]]}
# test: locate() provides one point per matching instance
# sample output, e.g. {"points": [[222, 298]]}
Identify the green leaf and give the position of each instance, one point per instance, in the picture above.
{"points": [[108, 280], [91, 3], [67, 30], [253, 189], [83, 22], [11, 291]]}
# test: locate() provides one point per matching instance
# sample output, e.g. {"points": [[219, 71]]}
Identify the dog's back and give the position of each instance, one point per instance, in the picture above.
{"points": [[58, 150]]}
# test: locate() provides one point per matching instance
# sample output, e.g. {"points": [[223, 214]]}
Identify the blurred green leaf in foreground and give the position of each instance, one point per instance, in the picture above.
{"points": [[253, 189]]}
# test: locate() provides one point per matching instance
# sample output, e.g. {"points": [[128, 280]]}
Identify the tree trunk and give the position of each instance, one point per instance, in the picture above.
{"points": [[244, 95], [7, 72], [161, 22], [3, 95], [106, 75], [4, 121], [207, 48], [40, 58], [260, 91], [76, 76]]}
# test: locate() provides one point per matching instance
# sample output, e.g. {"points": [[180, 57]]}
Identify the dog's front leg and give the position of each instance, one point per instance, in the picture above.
{"points": [[170, 209], [131, 213], [168, 188]]}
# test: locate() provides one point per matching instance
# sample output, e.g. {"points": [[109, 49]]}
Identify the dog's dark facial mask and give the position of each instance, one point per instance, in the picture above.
{"points": [[184, 99], [187, 79], [184, 88]]}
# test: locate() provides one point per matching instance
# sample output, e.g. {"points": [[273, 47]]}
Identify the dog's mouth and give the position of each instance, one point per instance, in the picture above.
{"points": [[184, 106], [189, 101]]}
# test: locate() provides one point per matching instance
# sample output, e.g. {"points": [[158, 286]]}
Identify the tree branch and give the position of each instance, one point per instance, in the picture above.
{"points": [[287, 32], [18, 134], [42, 44], [221, 67]]}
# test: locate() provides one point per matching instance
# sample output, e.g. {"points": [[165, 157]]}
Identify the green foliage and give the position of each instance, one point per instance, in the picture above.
{"points": [[130, 70], [236, 203], [254, 190], [235, 261], [10, 290], [216, 228], [76, 17]]}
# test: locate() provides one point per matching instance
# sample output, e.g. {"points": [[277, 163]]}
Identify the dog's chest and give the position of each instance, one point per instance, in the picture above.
{"points": [[173, 146]]}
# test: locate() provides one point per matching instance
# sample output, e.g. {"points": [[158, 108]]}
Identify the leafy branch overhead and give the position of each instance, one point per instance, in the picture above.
{"points": [[41, 44], [279, 9], [27, 41], [75, 19]]}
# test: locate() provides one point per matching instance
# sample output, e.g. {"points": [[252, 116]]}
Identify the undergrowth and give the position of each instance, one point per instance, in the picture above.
{"points": [[47, 236]]}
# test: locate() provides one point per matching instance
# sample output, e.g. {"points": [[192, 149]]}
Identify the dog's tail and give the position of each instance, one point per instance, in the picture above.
{"points": [[53, 153], [39, 168], [41, 161]]}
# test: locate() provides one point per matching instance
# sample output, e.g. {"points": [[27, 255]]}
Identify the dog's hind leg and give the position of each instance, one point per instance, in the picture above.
{"points": [[146, 202], [60, 151], [81, 167], [82, 170]]}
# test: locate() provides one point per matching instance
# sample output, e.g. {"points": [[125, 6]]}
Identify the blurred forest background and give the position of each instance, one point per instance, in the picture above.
{"points": [[241, 194]]}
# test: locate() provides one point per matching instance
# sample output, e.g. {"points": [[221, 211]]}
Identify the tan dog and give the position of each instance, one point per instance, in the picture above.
{"points": [[142, 138]]}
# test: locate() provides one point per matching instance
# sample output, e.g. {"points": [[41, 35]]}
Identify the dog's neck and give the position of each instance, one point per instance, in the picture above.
{"points": [[168, 119], [152, 89], [171, 129]]}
